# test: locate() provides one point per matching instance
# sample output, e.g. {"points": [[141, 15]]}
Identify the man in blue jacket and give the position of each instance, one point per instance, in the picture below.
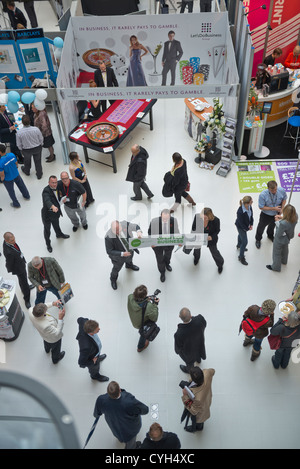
{"points": [[122, 412]]}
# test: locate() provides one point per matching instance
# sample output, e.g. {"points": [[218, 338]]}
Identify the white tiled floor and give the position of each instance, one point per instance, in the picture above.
{"points": [[254, 406]]}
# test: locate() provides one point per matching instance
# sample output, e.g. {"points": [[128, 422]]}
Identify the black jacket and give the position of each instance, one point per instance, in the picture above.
{"points": [[88, 348], [15, 261], [189, 340], [6, 136], [49, 199], [155, 227], [212, 229], [137, 168], [180, 179], [242, 219], [16, 17], [169, 440], [110, 78], [113, 245]]}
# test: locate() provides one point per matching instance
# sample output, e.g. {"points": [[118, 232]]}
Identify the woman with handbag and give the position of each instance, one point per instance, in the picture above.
{"points": [[288, 330], [180, 181], [136, 303]]}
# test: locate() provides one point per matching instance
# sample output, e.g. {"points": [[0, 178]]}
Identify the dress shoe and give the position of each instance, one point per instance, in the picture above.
{"points": [[61, 356], [134, 198], [102, 357], [238, 247], [85, 227], [15, 206], [220, 269], [150, 196], [114, 284], [145, 346], [49, 248], [243, 260], [162, 277], [27, 304], [40, 176], [169, 268], [63, 236], [196, 261], [23, 169], [184, 368], [75, 228], [199, 428], [101, 378], [271, 238], [257, 244], [269, 267], [49, 159], [132, 267]]}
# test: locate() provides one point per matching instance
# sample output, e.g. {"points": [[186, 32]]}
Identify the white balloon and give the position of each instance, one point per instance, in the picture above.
{"points": [[3, 99], [41, 94], [40, 105]]}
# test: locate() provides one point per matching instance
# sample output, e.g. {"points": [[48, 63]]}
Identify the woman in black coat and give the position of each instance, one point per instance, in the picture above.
{"points": [[180, 181], [207, 223], [244, 223]]}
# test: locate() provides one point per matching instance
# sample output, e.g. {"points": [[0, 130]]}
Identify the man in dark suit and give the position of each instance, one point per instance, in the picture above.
{"points": [[16, 264], [51, 212], [137, 171], [8, 133], [90, 348], [105, 77], [163, 225], [189, 339], [118, 249], [171, 56], [16, 16]]}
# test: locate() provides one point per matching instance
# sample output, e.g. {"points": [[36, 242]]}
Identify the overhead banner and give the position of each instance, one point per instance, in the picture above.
{"points": [[155, 56], [254, 177], [188, 240], [286, 172]]}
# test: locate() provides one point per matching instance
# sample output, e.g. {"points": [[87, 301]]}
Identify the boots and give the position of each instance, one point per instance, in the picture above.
{"points": [[255, 354], [248, 341]]}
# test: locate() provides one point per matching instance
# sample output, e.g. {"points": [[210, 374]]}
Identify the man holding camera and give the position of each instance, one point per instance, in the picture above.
{"points": [[49, 328], [136, 301]]}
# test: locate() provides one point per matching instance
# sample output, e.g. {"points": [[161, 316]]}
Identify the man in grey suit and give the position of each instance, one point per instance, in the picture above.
{"points": [[171, 56], [118, 249]]}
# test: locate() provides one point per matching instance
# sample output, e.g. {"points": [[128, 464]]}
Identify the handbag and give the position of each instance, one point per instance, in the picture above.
{"points": [[167, 190], [148, 329], [275, 340]]}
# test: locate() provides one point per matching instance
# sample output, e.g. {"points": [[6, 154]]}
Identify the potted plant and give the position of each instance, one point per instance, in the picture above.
{"points": [[215, 124]]}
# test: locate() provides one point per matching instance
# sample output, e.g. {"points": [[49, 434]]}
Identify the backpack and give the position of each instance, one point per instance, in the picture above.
{"points": [[250, 327]]}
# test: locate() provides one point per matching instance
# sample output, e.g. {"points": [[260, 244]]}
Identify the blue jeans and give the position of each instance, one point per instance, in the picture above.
{"points": [[282, 357], [41, 295], [257, 343], [9, 185], [242, 241]]}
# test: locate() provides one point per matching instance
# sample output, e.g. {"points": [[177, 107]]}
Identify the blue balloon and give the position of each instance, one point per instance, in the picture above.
{"points": [[58, 42], [27, 98], [13, 96], [12, 107]]}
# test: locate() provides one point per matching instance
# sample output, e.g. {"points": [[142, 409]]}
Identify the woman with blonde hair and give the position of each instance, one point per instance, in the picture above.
{"points": [[244, 223], [285, 231]]}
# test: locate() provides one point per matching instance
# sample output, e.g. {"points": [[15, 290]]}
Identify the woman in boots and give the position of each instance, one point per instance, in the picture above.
{"points": [[258, 314], [244, 223], [206, 222], [180, 181], [78, 173]]}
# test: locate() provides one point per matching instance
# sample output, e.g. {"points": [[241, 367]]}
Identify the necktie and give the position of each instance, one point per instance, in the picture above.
{"points": [[7, 119]]}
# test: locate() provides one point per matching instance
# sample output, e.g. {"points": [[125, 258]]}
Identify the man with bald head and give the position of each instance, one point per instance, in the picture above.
{"points": [[69, 193], [16, 264], [137, 171], [189, 339], [118, 249]]}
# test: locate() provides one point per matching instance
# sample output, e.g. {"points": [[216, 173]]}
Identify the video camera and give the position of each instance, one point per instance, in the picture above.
{"points": [[153, 298]]}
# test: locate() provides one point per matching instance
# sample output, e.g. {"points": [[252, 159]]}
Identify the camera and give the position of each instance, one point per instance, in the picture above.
{"points": [[153, 298], [60, 306]]}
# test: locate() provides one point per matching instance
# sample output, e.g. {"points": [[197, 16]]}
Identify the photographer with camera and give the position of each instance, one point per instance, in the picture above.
{"points": [[137, 301], [49, 327]]}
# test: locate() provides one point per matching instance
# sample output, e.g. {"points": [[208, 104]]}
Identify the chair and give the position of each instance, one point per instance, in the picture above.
{"points": [[292, 122]]}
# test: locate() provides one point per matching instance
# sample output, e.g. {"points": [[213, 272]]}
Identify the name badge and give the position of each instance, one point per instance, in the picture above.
{"points": [[67, 199], [44, 281]]}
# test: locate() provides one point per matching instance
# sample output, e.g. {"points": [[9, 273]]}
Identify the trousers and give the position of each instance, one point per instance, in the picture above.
{"points": [[217, 257], [280, 255], [9, 186], [36, 154], [76, 214], [137, 186], [47, 222], [55, 349], [265, 220], [118, 263], [163, 256]]}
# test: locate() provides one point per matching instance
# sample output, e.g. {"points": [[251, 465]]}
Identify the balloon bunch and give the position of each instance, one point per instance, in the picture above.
{"points": [[12, 98], [58, 43]]}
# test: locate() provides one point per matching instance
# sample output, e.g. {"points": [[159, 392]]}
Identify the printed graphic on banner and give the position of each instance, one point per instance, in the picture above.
{"points": [[254, 177], [286, 172], [153, 51]]}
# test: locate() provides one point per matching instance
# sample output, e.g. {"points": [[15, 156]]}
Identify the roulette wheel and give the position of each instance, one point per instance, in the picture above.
{"points": [[92, 57], [103, 134]]}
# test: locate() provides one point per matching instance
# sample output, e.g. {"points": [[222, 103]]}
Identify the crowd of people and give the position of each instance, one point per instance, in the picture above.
{"points": [[122, 411]]}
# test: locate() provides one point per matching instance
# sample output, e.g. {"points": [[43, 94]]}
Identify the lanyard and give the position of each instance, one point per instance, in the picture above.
{"points": [[44, 270], [66, 191]]}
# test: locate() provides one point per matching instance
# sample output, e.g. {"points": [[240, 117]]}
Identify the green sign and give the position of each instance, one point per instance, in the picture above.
{"points": [[254, 177]]}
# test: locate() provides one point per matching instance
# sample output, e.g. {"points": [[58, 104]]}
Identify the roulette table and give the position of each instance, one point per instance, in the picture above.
{"points": [[92, 57], [105, 134]]}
